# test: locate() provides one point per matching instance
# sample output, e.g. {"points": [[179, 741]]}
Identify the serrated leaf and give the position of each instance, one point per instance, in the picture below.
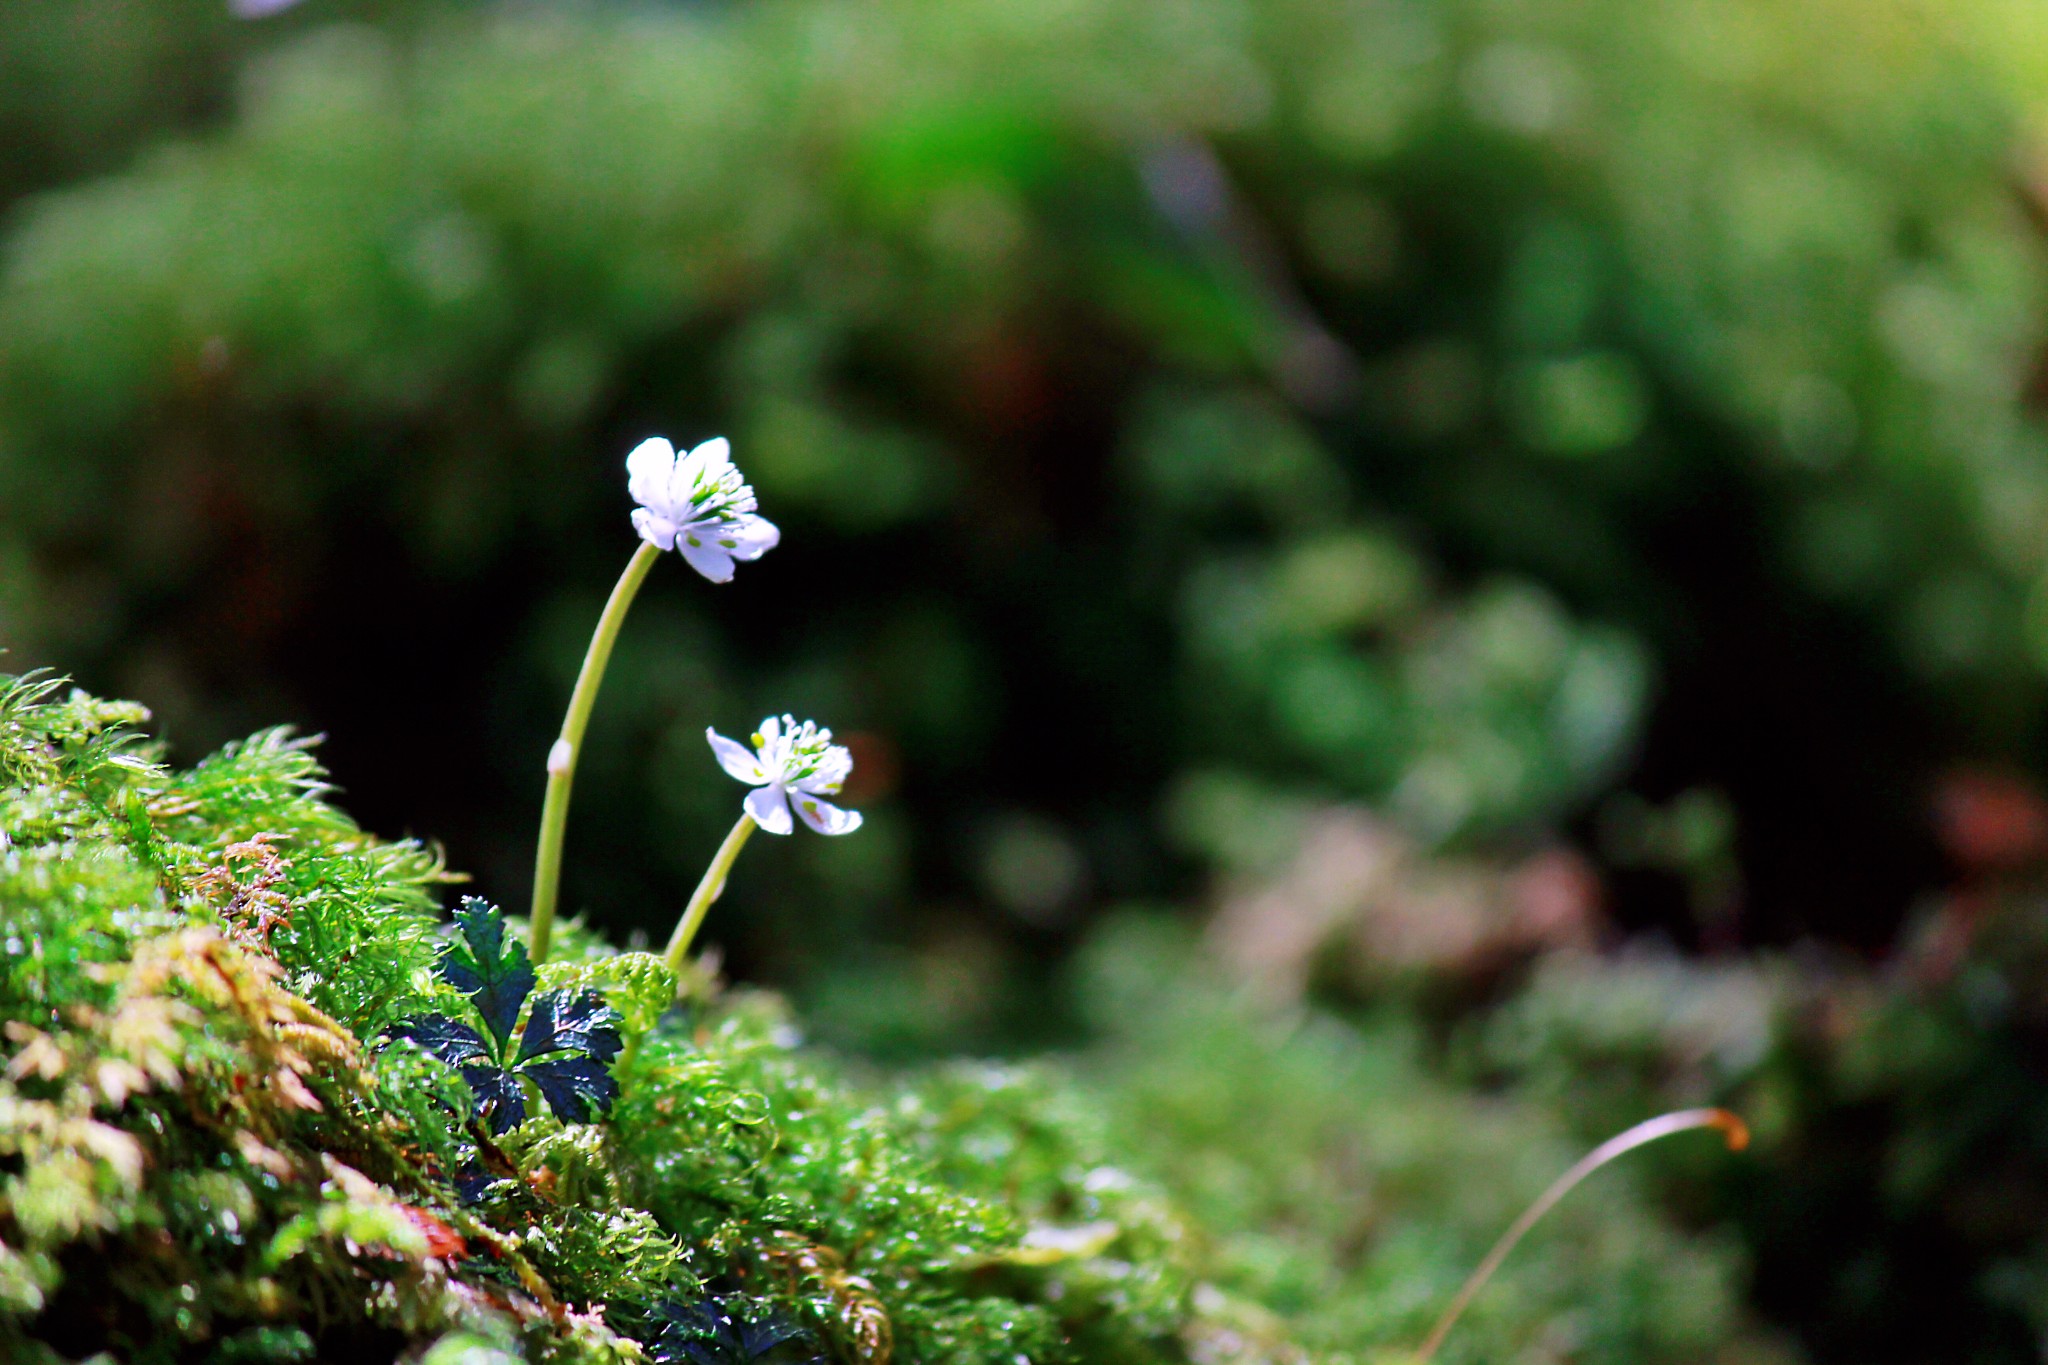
{"points": [[499, 1098], [565, 1048], [578, 1089], [494, 973], [566, 1021], [451, 1040]]}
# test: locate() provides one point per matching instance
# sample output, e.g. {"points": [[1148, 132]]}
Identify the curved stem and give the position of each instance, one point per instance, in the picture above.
{"points": [[1647, 1131], [708, 890], [554, 810]]}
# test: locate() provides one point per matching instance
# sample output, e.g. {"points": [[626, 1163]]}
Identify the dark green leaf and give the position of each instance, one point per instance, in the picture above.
{"points": [[494, 973], [565, 1021], [498, 1096], [725, 1331], [451, 1040], [567, 1045], [578, 1089]]}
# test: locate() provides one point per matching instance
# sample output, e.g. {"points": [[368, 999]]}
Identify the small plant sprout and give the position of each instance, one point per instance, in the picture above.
{"points": [[696, 503], [789, 765], [565, 1050]]}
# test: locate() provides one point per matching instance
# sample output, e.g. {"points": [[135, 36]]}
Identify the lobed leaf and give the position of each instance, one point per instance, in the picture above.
{"points": [[499, 1099], [493, 972], [564, 1021], [578, 1089], [451, 1040]]}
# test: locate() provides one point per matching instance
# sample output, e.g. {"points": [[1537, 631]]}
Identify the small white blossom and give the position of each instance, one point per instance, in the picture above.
{"points": [[790, 764], [698, 504]]}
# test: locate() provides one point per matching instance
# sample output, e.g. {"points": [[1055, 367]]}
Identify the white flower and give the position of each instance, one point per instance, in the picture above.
{"points": [[790, 763], [697, 503]]}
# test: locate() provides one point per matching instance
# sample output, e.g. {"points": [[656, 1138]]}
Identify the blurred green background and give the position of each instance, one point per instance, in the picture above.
{"points": [[1525, 516]]}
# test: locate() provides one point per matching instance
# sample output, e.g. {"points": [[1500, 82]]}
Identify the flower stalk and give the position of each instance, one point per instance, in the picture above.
{"points": [[709, 889], [554, 811]]}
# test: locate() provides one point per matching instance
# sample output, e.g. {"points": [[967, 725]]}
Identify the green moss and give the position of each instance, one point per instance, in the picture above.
{"points": [[211, 1148]]}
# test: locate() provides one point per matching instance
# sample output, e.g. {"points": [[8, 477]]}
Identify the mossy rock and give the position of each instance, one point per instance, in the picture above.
{"points": [[212, 1147]]}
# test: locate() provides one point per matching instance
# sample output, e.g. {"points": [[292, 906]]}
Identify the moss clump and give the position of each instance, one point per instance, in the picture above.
{"points": [[215, 1147]]}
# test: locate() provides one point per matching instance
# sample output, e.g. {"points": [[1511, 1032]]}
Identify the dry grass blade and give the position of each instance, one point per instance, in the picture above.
{"points": [[1664, 1125]]}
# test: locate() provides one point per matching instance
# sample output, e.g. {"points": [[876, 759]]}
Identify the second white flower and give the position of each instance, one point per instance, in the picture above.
{"points": [[790, 765]]}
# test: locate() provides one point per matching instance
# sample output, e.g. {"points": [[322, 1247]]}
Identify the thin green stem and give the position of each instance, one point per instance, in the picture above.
{"points": [[554, 810], [708, 890], [1664, 1125]]}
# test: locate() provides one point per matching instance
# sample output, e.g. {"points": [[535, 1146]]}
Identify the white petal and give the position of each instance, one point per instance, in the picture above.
{"points": [[749, 537], [647, 471], [712, 455], [770, 809], [706, 558], [701, 466], [769, 730], [656, 530], [737, 759], [825, 817]]}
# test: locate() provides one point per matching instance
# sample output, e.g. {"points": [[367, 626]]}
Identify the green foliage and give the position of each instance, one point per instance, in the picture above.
{"points": [[1456, 406], [199, 1163], [1578, 355], [324, 868], [169, 1103]]}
